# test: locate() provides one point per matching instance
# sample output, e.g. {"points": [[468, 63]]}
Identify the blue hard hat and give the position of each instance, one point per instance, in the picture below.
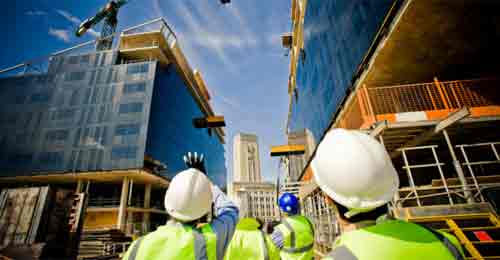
{"points": [[289, 203]]}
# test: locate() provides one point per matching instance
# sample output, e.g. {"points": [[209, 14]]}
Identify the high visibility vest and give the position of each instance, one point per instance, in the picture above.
{"points": [[395, 239], [298, 234], [250, 243], [175, 242]]}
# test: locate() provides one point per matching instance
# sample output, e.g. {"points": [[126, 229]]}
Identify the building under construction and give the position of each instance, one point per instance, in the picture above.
{"points": [[422, 77], [112, 123]]}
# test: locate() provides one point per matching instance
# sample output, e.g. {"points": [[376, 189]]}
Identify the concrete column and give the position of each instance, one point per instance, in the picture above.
{"points": [[122, 211], [147, 205], [458, 168], [79, 186]]}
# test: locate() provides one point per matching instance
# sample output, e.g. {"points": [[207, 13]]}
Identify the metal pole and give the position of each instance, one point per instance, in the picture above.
{"points": [[458, 169], [410, 177], [471, 171]]}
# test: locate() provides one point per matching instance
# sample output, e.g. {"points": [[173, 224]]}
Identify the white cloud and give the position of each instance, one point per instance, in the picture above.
{"points": [[35, 13], [75, 20], [61, 34], [69, 16]]}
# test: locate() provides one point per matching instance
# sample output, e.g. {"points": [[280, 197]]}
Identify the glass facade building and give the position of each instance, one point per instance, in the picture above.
{"points": [[90, 113], [337, 35]]}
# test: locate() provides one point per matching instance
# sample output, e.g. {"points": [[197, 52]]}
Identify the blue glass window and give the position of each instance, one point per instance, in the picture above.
{"points": [[20, 159], [85, 59], [127, 134], [51, 159], [73, 59], [40, 97], [137, 68], [135, 107], [128, 152], [21, 139], [128, 129], [63, 114], [134, 87], [56, 135], [76, 75]]}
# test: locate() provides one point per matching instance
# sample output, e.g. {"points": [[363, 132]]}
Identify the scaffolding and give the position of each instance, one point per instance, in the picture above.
{"points": [[322, 216]]}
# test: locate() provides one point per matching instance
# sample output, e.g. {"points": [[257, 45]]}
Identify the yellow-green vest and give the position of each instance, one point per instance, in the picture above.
{"points": [[250, 243], [175, 242], [393, 240], [298, 234]]}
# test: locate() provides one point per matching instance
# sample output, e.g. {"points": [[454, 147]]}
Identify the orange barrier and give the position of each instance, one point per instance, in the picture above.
{"points": [[437, 99]]}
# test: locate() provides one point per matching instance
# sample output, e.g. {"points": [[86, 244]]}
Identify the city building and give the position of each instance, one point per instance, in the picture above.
{"points": [[257, 200], [422, 77], [254, 197], [112, 123], [293, 164], [246, 167]]}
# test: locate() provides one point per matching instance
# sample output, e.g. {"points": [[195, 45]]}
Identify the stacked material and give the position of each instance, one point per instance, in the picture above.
{"points": [[95, 244]]}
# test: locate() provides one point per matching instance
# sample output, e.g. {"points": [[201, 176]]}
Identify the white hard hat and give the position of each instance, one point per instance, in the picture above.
{"points": [[354, 170], [189, 196]]}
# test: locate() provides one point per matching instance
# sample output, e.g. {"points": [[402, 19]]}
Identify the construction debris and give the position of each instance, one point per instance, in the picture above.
{"points": [[95, 244], [40, 222]]}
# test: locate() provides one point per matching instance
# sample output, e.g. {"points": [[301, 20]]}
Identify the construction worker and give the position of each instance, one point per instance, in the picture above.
{"points": [[356, 172], [250, 242], [188, 201], [295, 235]]}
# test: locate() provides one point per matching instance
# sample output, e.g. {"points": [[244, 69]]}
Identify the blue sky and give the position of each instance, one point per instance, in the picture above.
{"points": [[236, 47]]}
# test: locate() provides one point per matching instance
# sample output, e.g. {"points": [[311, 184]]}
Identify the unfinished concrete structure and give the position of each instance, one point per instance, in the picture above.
{"points": [[422, 77]]}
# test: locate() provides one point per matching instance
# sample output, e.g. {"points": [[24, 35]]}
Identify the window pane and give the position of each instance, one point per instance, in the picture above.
{"points": [[40, 97], [76, 75], [63, 114], [128, 129], [52, 159], [73, 59], [130, 108], [85, 59], [138, 68], [134, 87], [127, 152]]}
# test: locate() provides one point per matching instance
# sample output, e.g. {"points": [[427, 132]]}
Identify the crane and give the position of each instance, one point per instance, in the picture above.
{"points": [[110, 15]]}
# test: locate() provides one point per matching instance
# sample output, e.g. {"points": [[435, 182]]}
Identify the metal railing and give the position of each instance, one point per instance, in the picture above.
{"points": [[40, 65], [447, 191], [433, 96], [369, 102], [322, 216]]}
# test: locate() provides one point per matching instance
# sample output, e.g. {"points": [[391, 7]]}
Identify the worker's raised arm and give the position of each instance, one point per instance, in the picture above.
{"points": [[226, 216]]}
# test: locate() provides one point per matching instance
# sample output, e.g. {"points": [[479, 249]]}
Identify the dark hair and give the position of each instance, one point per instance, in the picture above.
{"points": [[370, 215]]}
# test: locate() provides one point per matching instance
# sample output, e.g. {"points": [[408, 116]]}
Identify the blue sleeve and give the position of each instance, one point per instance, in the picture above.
{"points": [[278, 238], [226, 216]]}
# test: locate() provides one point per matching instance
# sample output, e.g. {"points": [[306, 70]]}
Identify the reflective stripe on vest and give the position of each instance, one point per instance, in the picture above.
{"points": [[298, 235], [395, 239], [204, 242], [447, 243], [133, 253]]}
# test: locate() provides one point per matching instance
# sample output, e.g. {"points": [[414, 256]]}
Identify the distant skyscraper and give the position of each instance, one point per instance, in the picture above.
{"points": [[246, 158], [294, 164]]}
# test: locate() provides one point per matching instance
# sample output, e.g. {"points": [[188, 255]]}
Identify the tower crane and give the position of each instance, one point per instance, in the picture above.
{"points": [[110, 15]]}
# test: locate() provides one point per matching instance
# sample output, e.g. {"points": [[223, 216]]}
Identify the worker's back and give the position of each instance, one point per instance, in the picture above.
{"points": [[251, 243], [298, 238], [393, 240], [175, 241]]}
